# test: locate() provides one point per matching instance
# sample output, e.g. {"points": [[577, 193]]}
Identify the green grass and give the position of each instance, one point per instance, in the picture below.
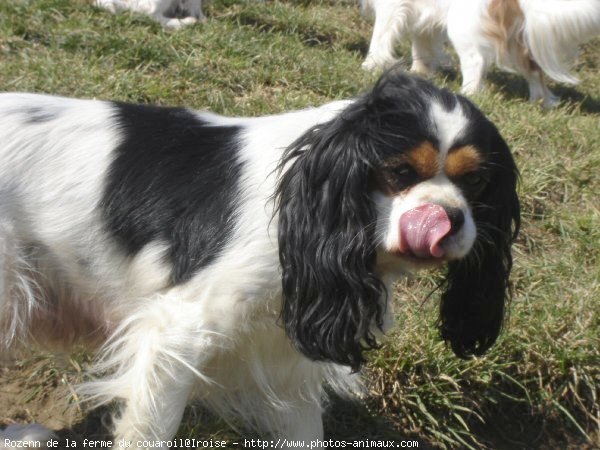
{"points": [[540, 385]]}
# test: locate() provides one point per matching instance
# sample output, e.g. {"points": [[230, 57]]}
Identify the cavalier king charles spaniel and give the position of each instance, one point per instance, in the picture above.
{"points": [[246, 262], [531, 37], [169, 13]]}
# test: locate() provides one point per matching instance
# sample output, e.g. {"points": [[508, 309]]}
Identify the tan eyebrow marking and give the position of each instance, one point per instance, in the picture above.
{"points": [[462, 160], [424, 159]]}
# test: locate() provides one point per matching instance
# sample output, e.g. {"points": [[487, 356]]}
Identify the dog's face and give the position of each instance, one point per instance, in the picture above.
{"points": [[425, 189], [407, 176]]}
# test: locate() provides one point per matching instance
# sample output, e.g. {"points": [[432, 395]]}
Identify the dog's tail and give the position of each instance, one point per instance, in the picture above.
{"points": [[554, 29]]}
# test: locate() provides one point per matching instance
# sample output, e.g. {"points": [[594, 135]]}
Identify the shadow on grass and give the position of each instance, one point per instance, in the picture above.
{"points": [[512, 426], [352, 420], [311, 35], [515, 426], [514, 86], [344, 420], [509, 425]]}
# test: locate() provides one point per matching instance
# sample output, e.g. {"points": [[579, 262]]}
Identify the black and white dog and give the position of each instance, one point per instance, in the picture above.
{"points": [[246, 262]]}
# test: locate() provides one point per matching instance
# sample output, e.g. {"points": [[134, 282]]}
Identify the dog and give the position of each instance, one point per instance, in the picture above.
{"points": [[531, 37], [172, 14], [246, 262]]}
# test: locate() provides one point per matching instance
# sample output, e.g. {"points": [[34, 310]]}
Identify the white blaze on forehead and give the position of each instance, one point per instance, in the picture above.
{"points": [[449, 125]]}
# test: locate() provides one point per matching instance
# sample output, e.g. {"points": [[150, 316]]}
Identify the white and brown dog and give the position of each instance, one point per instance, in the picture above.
{"points": [[246, 262], [169, 13], [532, 37]]}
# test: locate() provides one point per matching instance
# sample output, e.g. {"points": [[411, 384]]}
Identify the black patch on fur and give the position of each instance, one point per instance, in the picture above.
{"points": [[175, 179], [36, 114]]}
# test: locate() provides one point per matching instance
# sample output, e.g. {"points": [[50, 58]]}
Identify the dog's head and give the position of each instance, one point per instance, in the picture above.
{"points": [[407, 176]]}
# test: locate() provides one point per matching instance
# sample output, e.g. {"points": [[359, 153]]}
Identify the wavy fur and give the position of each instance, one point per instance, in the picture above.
{"points": [[244, 262], [553, 31], [477, 291], [331, 293]]}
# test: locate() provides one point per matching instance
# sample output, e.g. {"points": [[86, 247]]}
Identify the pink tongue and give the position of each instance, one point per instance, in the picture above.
{"points": [[422, 229]]}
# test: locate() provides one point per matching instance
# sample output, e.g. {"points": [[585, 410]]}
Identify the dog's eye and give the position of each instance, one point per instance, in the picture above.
{"points": [[397, 178], [402, 177], [474, 183], [474, 179], [404, 173]]}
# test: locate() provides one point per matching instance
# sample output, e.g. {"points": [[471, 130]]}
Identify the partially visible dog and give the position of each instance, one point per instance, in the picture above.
{"points": [[532, 37], [169, 13], [246, 262]]}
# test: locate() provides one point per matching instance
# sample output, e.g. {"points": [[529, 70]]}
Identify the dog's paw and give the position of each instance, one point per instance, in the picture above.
{"points": [[551, 101], [20, 436], [373, 63], [421, 68], [176, 24]]}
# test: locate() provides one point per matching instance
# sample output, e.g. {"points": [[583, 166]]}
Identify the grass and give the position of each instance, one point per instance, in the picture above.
{"points": [[540, 385]]}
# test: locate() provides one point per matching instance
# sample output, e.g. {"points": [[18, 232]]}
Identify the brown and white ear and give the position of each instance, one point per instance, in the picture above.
{"points": [[477, 287]]}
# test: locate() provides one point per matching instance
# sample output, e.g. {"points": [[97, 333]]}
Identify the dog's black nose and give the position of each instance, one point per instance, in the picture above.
{"points": [[457, 219]]}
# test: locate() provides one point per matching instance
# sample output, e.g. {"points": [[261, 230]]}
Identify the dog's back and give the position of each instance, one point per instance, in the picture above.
{"points": [[54, 154]]}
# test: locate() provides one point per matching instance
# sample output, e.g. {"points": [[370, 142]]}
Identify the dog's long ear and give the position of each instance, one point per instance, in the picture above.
{"points": [[332, 297], [477, 287]]}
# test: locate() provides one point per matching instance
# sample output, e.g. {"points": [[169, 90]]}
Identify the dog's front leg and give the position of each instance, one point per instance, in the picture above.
{"points": [[299, 425], [149, 420], [391, 24], [153, 362]]}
